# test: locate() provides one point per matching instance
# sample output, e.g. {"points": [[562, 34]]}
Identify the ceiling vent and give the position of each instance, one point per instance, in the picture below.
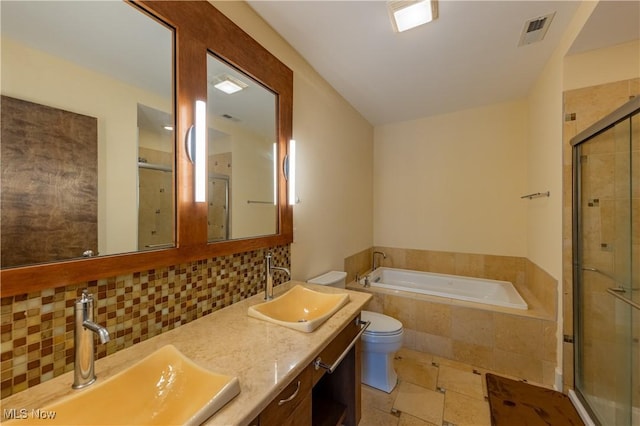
{"points": [[535, 29], [230, 117]]}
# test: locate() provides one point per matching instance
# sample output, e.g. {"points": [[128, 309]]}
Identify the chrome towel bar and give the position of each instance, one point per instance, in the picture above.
{"points": [[537, 195], [616, 292], [318, 364]]}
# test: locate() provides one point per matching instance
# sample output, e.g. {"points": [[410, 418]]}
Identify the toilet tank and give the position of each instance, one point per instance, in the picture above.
{"points": [[332, 278]]}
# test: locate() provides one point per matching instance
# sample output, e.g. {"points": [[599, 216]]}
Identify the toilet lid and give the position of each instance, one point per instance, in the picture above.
{"points": [[381, 324]]}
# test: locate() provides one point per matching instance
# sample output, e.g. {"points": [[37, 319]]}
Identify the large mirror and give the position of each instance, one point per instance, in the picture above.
{"points": [[87, 131], [136, 176], [242, 155]]}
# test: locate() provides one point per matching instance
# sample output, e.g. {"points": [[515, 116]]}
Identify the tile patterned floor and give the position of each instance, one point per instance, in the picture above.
{"points": [[431, 391]]}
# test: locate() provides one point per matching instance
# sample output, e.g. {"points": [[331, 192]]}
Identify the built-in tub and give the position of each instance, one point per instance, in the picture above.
{"points": [[492, 292]]}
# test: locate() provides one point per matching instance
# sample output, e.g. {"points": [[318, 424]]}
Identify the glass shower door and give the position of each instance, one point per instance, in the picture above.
{"points": [[218, 212], [607, 274], [635, 268]]}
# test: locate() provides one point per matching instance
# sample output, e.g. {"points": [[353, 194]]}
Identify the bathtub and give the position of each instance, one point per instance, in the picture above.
{"points": [[492, 292]]}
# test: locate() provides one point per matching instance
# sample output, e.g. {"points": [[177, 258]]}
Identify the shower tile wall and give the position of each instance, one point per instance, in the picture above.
{"points": [[582, 108], [37, 328]]}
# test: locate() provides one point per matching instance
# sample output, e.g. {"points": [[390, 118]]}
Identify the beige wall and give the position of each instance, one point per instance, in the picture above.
{"points": [[251, 177], [544, 157], [544, 153], [453, 182], [335, 158], [615, 63]]}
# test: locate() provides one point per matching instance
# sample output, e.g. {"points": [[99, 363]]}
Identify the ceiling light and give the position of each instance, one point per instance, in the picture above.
{"points": [[229, 84], [407, 14]]}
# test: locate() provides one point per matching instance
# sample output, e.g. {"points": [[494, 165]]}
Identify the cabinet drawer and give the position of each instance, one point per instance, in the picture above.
{"points": [[287, 401], [337, 346]]}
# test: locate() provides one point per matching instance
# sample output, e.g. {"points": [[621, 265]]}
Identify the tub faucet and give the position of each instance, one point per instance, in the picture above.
{"points": [[373, 259], [84, 372], [364, 280], [268, 271]]}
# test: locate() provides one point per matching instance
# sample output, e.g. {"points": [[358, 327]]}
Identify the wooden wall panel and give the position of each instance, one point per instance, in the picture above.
{"points": [[49, 183]]}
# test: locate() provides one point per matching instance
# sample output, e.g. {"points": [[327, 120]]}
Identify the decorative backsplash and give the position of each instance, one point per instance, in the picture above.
{"points": [[37, 328]]}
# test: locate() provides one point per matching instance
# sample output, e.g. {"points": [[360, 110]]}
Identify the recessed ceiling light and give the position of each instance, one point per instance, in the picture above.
{"points": [[406, 14], [229, 84]]}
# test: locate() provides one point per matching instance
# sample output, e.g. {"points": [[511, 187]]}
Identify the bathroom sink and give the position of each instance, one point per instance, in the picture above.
{"points": [[162, 389], [300, 308]]}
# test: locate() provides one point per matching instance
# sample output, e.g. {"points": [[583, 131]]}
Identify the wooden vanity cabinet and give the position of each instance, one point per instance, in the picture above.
{"points": [[336, 396], [319, 398]]}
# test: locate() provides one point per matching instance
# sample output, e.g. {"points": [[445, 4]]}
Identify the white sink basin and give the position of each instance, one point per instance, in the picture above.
{"points": [[300, 308], [165, 388]]}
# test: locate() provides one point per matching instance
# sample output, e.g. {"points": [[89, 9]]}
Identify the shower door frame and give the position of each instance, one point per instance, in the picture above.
{"points": [[623, 113]]}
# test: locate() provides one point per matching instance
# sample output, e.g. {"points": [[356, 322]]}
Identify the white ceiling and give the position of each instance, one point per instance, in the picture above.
{"points": [[466, 58]]}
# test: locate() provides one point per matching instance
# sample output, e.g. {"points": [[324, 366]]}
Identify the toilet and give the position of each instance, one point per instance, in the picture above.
{"points": [[380, 341]]}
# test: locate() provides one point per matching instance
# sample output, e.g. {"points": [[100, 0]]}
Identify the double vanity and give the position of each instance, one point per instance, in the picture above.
{"points": [[252, 363]]}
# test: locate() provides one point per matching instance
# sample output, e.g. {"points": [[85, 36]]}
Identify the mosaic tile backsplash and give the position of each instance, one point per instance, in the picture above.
{"points": [[37, 328]]}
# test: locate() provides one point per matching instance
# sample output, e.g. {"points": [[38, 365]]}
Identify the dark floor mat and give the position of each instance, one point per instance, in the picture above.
{"points": [[518, 403]]}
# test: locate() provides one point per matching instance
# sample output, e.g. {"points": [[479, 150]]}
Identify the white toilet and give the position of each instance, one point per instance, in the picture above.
{"points": [[380, 341]]}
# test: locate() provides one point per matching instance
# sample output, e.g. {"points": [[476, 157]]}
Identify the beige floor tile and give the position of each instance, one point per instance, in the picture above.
{"points": [[461, 381], [420, 402], [451, 363], [463, 410], [408, 420], [373, 417], [423, 357], [380, 400], [416, 372]]}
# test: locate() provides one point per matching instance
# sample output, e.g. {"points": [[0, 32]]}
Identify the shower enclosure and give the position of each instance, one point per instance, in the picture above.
{"points": [[606, 270], [155, 206], [218, 212]]}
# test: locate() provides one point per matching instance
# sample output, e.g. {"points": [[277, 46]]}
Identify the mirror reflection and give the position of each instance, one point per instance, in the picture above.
{"points": [[242, 136], [155, 178], [87, 85]]}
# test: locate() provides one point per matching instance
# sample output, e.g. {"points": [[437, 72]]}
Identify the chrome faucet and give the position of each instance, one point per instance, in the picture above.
{"points": [[84, 373], [373, 259], [365, 280], [268, 270]]}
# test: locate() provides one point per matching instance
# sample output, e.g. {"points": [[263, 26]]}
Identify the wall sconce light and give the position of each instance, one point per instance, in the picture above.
{"points": [[275, 174], [197, 151], [291, 172]]}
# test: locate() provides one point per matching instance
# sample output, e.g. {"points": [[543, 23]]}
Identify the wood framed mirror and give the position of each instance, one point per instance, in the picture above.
{"points": [[200, 31]]}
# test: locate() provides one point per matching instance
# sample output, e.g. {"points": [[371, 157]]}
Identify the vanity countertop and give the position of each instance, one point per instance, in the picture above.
{"points": [[264, 356]]}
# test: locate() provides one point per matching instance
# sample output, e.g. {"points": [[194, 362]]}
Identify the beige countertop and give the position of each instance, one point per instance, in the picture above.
{"points": [[264, 356]]}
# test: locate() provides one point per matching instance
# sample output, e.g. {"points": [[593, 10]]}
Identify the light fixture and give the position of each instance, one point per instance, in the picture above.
{"points": [[196, 150], [292, 172], [275, 174], [229, 84], [168, 127], [406, 14]]}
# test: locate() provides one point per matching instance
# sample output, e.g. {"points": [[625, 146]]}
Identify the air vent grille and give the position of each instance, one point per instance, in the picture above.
{"points": [[535, 29], [230, 117], [536, 25]]}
